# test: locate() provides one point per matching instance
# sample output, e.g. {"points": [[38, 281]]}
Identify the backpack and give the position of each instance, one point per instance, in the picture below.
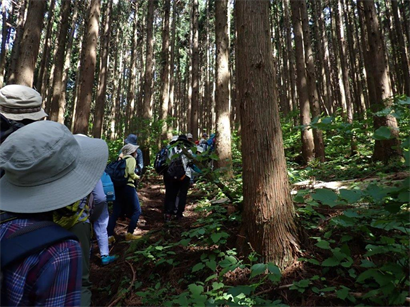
{"points": [[70, 215], [7, 127], [108, 186], [160, 163], [176, 168], [116, 170], [28, 241]]}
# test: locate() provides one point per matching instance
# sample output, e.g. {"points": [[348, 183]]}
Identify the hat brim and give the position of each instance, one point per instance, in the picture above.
{"points": [[74, 186], [33, 116]]}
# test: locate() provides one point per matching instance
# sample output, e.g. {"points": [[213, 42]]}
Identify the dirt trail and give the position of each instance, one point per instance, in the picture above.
{"points": [[108, 280]]}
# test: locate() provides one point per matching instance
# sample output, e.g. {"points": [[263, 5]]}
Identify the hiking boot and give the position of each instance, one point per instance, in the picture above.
{"points": [[111, 240], [108, 259], [130, 236]]}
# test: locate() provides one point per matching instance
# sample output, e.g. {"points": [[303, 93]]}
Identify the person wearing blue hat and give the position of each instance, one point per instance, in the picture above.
{"points": [[132, 139]]}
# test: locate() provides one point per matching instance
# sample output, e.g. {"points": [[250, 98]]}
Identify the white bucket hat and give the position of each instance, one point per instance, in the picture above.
{"points": [[129, 149], [18, 102], [47, 167]]}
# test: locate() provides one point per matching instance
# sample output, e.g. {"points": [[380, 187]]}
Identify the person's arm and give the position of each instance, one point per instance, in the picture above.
{"points": [[140, 162], [59, 283]]}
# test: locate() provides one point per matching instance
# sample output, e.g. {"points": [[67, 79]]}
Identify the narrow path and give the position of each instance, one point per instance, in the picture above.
{"points": [[107, 280]]}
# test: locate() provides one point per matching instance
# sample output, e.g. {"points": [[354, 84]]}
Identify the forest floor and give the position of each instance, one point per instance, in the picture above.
{"points": [[116, 284]]}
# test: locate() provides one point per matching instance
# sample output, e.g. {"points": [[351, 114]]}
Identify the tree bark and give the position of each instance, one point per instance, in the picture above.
{"points": [[404, 71], [5, 35], [311, 82], [165, 72], [306, 133], [103, 72], [223, 124], [43, 74], [384, 150], [15, 51], [57, 103], [269, 214], [87, 66], [195, 71], [30, 43]]}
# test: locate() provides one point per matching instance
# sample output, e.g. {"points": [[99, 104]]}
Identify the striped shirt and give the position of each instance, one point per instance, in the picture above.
{"points": [[49, 278]]}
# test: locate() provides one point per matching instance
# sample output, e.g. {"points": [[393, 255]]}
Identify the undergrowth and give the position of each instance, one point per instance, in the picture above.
{"points": [[357, 251]]}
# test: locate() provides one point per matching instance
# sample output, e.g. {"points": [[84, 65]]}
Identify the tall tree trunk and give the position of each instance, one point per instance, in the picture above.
{"points": [[103, 72], [172, 63], [149, 72], [58, 104], [307, 135], [87, 66], [15, 51], [290, 50], [45, 58], [129, 126], [223, 123], [5, 37], [149, 66], [30, 44], [311, 82], [268, 209], [404, 64], [165, 71], [195, 71], [384, 150]]}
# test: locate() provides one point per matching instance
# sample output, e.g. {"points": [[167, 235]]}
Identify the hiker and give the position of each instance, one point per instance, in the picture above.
{"points": [[190, 137], [100, 216], [132, 139], [46, 169], [204, 138], [176, 186], [126, 198], [20, 105]]}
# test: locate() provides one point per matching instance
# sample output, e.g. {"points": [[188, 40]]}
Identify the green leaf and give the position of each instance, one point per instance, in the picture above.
{"points": [[342, 293], [325, 196], [217, 285], [376, 192], [195, 289], [351, 196], [235, 291], [198, 267], [258, 269], [184, 242], [272, 268], [383, 133], [323, 244], [332, 261], [213, 276], [367, 264], [211, 264], [366, 275], [404, 196]]}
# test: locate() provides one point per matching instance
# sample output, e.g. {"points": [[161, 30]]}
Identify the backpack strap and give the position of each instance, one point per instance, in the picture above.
{"points": [[30, 240]]}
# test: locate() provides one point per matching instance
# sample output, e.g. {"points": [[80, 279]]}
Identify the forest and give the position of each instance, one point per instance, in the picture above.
{"points": [[305, 200]]}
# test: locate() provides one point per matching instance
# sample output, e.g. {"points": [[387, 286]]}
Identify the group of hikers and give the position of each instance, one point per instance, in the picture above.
{"points": [[52, 200]]}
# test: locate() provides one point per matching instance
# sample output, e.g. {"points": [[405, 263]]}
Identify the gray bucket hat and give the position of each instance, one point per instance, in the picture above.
{"points": [[18, 102], [47, 167], [129, 149]]}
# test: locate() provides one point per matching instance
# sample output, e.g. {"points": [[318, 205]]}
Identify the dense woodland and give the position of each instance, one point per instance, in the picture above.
{"points": [[307, 199]]}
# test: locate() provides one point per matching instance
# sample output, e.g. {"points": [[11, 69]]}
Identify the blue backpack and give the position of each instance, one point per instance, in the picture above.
{"points": [[116, 170], [108, 186]]}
